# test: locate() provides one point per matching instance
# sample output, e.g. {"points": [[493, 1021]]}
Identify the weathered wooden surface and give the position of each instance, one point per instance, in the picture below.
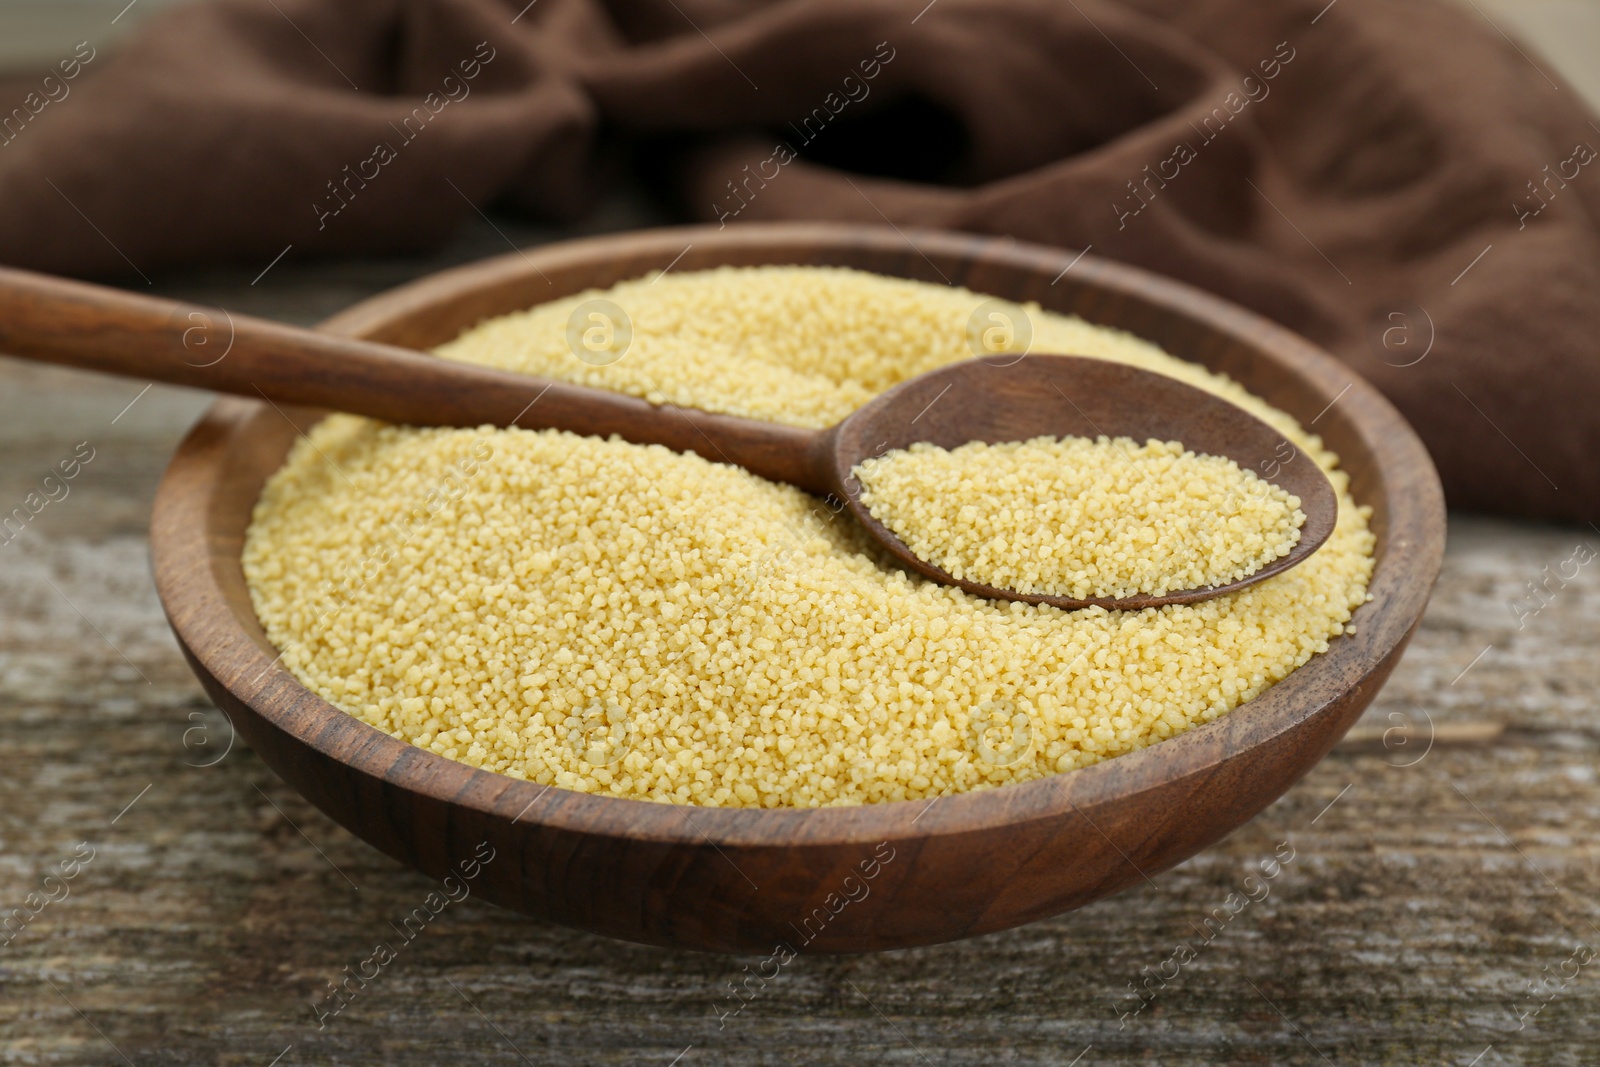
{"points": [[1420, 907]]}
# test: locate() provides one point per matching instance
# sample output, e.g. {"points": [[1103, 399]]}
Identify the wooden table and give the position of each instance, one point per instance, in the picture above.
{"points": [[1445, 860]]}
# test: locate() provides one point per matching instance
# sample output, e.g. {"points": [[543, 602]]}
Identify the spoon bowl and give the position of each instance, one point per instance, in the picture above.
{"points": [[1077, 396]]}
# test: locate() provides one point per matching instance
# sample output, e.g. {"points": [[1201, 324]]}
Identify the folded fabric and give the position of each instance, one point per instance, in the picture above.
{"points": [[1394, 179]]}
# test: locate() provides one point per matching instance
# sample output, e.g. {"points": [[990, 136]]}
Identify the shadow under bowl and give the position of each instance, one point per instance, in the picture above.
{"points": [[742, 880]]}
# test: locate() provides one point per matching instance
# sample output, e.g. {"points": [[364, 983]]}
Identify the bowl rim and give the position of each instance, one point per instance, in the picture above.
{"points": [[1409, 557]]}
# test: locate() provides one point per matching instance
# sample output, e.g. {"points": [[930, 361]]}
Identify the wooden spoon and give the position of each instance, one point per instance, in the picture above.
{"points": [[53, 320]]}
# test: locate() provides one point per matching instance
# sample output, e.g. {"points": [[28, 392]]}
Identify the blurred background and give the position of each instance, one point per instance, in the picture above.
{"points": [[37, 32]]}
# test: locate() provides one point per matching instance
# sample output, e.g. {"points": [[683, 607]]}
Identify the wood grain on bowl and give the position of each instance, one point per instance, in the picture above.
{"points": [[746, 879]]}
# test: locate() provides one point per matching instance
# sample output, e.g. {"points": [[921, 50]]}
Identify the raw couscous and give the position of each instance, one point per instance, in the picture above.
{"points": [[625, 620], [1072, 517]]}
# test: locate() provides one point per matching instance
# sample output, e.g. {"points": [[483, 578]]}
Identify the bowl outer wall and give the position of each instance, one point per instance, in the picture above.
{"points": [[741, 879]]}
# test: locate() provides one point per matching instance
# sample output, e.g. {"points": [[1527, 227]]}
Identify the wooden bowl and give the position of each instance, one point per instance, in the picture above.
{"points": [[857, 879]]}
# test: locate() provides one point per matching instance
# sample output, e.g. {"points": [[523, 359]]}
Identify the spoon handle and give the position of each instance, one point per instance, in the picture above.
{"points": [[91, 327]]}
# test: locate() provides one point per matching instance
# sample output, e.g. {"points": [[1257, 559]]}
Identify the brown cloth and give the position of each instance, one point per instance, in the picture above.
{"points": [[1392, 178]]}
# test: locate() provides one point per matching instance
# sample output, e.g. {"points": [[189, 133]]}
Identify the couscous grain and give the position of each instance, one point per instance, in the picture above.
{"points": [[1079, 518], [630, 621]]}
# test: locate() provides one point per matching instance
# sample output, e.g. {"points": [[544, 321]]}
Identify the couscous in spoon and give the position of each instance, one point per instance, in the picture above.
{"points": [[76, 324]]}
